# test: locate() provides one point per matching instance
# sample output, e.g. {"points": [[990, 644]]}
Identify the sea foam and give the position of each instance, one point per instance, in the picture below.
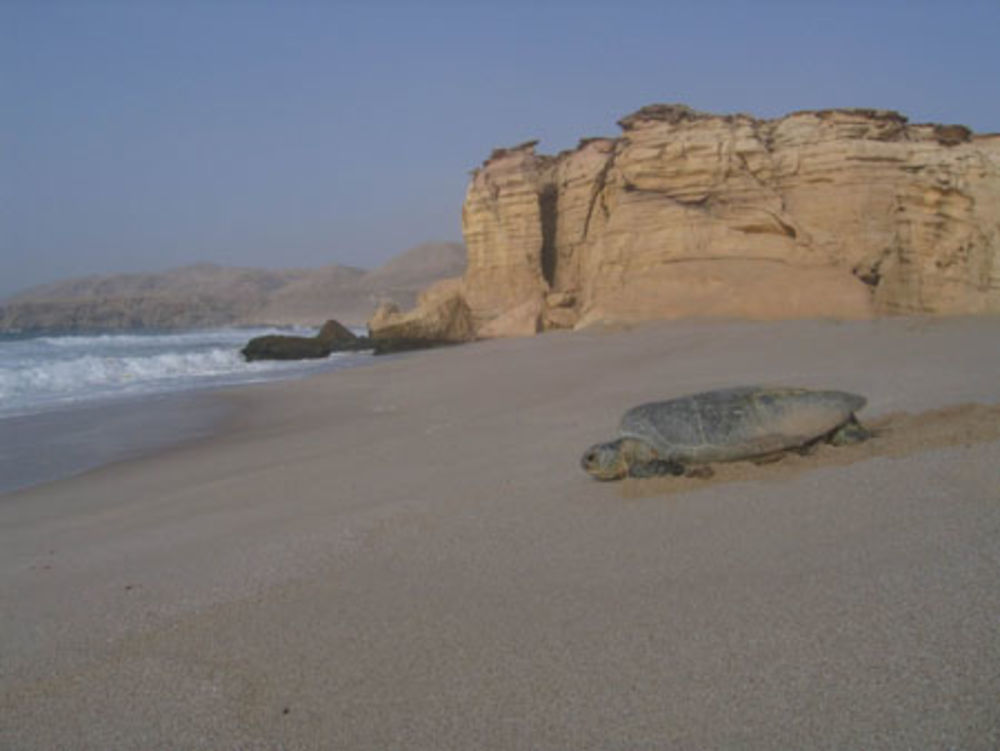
{"points": [[48, 372]]}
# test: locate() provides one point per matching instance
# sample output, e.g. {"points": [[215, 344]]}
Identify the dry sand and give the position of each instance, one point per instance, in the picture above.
{"points": [[408, 555]]}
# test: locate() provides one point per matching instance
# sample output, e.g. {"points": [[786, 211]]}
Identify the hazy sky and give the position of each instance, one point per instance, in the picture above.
{"points": [[143, 135]]}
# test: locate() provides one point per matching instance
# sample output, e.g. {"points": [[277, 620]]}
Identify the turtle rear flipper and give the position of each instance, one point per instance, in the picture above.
{"points": [[807, 449], [771, 458]]}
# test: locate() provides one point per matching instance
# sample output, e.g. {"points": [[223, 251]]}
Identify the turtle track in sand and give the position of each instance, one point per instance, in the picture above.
{"points": [[896, 434]]}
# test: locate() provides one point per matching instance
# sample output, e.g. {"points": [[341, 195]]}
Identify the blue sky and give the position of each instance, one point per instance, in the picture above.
{"points": [[144, 135]]}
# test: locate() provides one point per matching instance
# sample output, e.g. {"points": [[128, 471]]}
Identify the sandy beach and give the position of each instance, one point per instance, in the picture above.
{"points": [[408, 555]]}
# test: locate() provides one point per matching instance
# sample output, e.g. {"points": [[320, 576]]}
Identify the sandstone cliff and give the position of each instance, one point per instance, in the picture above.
{"points": [[206, 295], [844, 213]]}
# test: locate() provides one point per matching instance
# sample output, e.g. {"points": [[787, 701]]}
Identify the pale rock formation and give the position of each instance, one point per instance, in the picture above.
{"points": [[384, 315], [842, 213], [504, 209], [558, 310], [524, 319], [441, 317]]}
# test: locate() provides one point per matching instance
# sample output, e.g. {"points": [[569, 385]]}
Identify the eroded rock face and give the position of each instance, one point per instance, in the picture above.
{"points": [[503, 212], [441, 317], [844, 213]]}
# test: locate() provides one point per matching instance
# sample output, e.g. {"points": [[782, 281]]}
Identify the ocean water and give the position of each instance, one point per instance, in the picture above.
{"points": [[69, 403], [43, 373]]}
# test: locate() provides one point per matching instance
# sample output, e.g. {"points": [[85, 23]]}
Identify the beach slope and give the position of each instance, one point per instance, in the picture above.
{"points": [[408, 555]]}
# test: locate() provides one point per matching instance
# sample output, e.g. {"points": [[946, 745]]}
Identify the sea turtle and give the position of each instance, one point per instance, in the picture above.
{"points": [[749, 422]]}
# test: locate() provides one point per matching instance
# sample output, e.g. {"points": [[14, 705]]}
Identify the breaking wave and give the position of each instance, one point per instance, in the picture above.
{"points": [[46, 372]]}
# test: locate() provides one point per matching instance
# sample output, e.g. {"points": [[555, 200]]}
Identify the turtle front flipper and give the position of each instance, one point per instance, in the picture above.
{"points": [[850, 432], [655, 468], [643, 460]]}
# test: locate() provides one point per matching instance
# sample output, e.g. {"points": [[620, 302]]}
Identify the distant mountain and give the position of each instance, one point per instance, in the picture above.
{"points": [[418, 267], [206, 295]]}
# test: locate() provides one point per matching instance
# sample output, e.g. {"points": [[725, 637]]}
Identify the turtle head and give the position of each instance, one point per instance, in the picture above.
{"points": [[605, 461]]}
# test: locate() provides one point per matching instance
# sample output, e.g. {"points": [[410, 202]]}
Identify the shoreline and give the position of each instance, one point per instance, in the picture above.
{"points": [[408, 553], [54, 441], [60, 444]]}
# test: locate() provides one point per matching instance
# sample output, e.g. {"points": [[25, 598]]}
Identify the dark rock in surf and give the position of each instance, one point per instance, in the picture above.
{"points": [[333, 337]]}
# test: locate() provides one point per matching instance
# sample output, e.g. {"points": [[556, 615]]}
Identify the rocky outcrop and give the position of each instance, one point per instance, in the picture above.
{"points": [[441, 317], [843, 213], [207, 295], [332, 337]]}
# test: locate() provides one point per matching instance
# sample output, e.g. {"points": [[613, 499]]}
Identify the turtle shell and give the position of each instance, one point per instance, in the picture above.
{"points": [[738, 423]]}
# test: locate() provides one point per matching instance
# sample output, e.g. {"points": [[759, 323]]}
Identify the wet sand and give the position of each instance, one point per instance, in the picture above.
{"points": [[409, 556], [62, 443]]}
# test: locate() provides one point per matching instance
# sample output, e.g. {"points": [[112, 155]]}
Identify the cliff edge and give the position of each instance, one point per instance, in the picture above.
{"points": [[844, 213]]}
